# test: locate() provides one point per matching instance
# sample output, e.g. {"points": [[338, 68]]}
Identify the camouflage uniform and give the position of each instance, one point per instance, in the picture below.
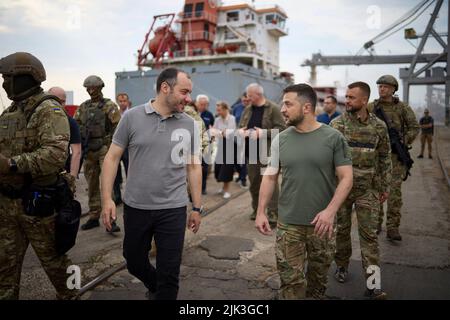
{"points": [[404, 120], [370, 146], [294, 245], [99, 136], [39, 148], [271, 119], [190, 111]]}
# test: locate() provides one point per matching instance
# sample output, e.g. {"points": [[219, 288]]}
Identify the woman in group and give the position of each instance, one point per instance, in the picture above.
{"points": [[223, 132]]}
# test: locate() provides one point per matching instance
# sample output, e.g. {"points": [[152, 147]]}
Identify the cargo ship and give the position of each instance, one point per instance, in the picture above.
{"points": [[223, 48]]}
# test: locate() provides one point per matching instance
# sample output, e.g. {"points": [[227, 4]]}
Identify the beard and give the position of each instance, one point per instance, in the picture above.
{"points": [[173, 103], [352, 109], [295, 121]]}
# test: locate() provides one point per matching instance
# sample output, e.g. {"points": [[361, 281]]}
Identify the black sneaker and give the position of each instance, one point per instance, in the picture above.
{"points": [[114, 227], [341, 274], [430, 157], [90, 224], [420, 156], [375, 294]]}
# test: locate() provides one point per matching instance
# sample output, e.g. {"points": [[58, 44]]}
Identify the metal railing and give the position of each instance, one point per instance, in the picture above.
{"points": [[198, 15]]}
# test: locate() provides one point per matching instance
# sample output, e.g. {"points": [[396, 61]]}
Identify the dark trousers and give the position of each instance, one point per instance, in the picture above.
{"points": [[167, 227], [242, 170], [119, 179], [204, 175]]}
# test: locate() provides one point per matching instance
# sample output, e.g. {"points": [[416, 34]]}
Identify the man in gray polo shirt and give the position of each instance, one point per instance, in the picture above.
{"points": [[163, 150]]}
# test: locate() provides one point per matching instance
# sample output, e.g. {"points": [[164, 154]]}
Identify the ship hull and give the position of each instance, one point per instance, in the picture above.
{"points": [[218, 81]]}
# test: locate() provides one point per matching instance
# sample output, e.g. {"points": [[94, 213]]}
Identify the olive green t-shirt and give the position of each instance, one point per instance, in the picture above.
{"points": [[307, 162]]}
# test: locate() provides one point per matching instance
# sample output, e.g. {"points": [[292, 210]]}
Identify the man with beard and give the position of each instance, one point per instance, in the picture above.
{"points": [[97, 118], [315, 162], [368, 139], [164, 149]]}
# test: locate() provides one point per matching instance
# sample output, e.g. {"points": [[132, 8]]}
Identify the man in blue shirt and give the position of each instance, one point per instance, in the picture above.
{"points": [[239, 107], [329, 106]]}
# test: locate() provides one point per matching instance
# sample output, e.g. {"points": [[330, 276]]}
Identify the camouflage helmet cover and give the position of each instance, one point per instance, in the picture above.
{"points": [[22, 63], [389, 80], [93, 81]]}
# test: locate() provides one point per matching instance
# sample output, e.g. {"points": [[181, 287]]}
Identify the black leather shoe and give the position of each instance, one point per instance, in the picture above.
{"points": [[90, 224]]}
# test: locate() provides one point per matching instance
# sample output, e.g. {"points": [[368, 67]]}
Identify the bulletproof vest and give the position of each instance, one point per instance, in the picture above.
{"points": [[95, 125], [362, 140], [393, 111], [16, 137]]}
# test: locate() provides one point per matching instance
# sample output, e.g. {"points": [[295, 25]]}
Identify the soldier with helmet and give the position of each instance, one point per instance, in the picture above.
{"points": [[401, 118], [34, 138], [97, 118]]}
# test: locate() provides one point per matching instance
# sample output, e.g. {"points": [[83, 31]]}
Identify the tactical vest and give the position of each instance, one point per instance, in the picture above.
{"points": [[95, 125], [394, 112], [16, 137], [363, 141]]}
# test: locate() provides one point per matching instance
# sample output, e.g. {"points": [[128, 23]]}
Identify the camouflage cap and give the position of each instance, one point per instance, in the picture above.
{"points": [[93, 81], [389, 80], [23, 63]]}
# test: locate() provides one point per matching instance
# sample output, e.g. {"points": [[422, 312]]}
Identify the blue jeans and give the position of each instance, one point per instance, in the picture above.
{"points": [[167, 226]]}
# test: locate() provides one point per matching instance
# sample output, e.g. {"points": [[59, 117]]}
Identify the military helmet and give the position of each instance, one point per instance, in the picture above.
{"points": [[23, 63], [93, 81], [388, 79]]}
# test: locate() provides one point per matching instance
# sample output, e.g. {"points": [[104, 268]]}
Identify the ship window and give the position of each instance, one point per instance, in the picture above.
{"points": [[199, 9], [188, 10], [233, 16], [270, 18], [281, 22]]}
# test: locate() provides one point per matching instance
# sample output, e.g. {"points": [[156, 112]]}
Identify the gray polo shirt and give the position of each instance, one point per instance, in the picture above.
{"points": [[158, 150]]}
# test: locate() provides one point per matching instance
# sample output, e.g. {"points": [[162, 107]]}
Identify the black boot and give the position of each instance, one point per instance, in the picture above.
{"points": [[90, 224]]}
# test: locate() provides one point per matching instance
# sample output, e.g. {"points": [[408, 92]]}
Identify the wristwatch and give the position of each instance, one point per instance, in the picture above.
{"points": [[12, 165], [199, 210]]}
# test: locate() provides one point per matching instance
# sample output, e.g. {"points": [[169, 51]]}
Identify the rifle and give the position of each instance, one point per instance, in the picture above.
{"points": [[397, 146]]}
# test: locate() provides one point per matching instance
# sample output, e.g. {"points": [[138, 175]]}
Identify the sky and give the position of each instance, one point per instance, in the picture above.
{"points": [[77, 38]]}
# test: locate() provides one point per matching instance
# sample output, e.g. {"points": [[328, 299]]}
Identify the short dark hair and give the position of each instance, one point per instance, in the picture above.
{"points": [[365, 88], [304, 91], [332, 98], [122, 94], [168, 76]]}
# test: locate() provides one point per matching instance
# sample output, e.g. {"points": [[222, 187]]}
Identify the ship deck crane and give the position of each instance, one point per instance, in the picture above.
{"points": [[411, 75]]}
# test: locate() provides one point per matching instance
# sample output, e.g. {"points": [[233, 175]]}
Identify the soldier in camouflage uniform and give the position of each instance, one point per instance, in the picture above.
{"points": [[97, 118], [368, 139], [191, 111], [34, 138], [402, 118]]}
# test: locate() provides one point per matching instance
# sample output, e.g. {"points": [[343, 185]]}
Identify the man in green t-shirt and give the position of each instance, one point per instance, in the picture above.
{"points": [[315, 162]]}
